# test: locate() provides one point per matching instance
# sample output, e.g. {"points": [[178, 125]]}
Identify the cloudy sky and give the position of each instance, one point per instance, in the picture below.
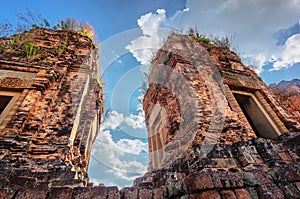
{"points": [[266, 34]]}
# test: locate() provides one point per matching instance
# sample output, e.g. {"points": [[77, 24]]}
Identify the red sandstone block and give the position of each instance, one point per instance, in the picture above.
{"points": [[99, 192], [257, 159], [227, 179], [145, 194], [81, 193], [113, 192], [297, 185], [242, 194], [198, 181], [224, 163], [8, 191], [255, 177], [129, 193], [212, 194], [60, 193], [227, 194], [246, 159], [157, 193], [252, 192], [285, 156], [32, 193]]}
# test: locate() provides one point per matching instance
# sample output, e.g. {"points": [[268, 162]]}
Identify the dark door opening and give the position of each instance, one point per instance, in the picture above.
{"points": [[257, 118], [4, 100]]}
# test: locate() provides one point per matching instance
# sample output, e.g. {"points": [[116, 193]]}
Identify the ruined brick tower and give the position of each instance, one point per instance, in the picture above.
{"points": [[50, 108], [214, 129], [202, 94]]}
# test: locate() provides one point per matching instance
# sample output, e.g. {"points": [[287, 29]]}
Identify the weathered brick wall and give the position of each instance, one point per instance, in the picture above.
{"points": [[201, 79], [257, 168], [48, 134], [225, 147]]}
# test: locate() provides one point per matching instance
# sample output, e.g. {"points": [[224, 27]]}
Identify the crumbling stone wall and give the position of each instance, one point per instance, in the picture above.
{"points": [[46, 137], [204, 79], [257, 168]]}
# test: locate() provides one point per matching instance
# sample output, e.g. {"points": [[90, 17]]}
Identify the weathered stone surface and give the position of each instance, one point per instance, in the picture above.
{"points": [[227, 179], [241, 161], [289, 190], [113, 193], [252, 191], [157, 193], [45, 141], [129, 192], [145, 193], [227, 194], [206, 194], [269, 191], [29, 193], [60, 193], [242, 194], [43, 133], [182, 91], [198, 181]]}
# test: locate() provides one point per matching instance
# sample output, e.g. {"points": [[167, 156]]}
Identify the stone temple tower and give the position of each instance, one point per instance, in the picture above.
{"points": [[50, 108], [214, 129], [201, 94]]}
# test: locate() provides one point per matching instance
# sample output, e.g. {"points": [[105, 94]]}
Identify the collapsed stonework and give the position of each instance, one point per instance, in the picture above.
{"points": [[201, 108]]}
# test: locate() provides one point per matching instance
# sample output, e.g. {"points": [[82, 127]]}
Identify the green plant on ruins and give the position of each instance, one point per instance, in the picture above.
{"points": [[30, 49], [99, 81], [99, 78], [62, 47], [221, 42], [20, 44], [80, 27], [196, 36], [13, 44], [29, 20], [217, 41]]}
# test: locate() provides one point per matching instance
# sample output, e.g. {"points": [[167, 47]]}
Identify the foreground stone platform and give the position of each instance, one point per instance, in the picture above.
{"points": [[258, 168]]}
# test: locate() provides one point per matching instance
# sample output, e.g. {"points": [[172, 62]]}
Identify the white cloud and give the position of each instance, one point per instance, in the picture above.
{"points": [[136, 121], [143, 47], [114, 120], [155, 27], [132, 146], [252, 22], [123, 159], [255, 61], [111, 154], [290, 55]]}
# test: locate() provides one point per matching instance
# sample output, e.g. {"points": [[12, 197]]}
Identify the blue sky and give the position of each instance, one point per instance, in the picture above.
{"points": [[266, 34]]}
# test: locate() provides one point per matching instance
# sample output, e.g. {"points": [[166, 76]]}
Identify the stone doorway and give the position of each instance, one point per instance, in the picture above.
{"points": [[4, 100], [257, 117], [7, 101]]}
